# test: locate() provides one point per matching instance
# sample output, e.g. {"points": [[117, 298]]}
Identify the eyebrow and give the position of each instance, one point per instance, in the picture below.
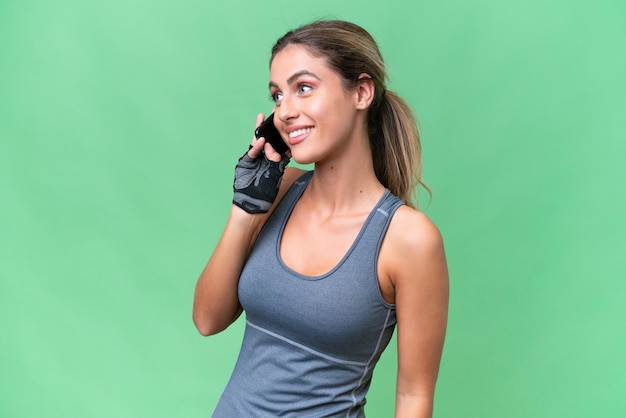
{"points": [[294, 77]]}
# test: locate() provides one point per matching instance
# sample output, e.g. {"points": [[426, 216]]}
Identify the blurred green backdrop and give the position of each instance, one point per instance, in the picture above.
{"points": [[120, 123]]}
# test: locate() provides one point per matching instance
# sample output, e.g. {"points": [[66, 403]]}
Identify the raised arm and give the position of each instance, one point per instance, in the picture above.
{"points": [[216, 303], [417, 266]]}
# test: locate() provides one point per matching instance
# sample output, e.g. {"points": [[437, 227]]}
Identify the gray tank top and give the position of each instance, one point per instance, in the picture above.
{"points": [[310, 343]]}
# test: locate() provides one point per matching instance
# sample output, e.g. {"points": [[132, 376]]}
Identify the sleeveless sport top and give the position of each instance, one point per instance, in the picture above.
{"points": [[310, 343]]}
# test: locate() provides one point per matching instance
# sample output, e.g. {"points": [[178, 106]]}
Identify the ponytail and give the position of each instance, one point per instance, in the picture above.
{"points": [[396, 149]]}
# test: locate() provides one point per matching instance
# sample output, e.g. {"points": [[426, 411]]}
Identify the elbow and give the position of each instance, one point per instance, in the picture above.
{"points": [[207, 325], [203, 330], [203, 321], [204, 327]]}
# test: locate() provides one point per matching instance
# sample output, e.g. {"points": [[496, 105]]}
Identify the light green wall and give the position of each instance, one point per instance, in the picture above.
{"points": [[120, 122]]}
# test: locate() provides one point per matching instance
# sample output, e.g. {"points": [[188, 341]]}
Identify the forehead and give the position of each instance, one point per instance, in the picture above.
{"points": [[294, 58]]}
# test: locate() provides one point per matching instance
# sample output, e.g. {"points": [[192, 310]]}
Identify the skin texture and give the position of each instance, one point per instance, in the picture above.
{"points": [[330, 123]]}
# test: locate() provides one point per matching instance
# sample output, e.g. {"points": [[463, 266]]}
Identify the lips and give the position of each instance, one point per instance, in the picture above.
{"points": [[298, 132], [297, 135]]}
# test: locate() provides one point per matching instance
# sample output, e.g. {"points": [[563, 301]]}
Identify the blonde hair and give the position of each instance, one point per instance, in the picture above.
{"points": [[392, 127]]}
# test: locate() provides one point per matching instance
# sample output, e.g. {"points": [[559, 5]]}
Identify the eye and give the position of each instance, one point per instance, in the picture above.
{"points": [[304, 88], [276, 97]]}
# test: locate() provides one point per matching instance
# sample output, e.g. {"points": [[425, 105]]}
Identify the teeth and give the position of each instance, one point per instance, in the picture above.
{"points": [[299, 132]]}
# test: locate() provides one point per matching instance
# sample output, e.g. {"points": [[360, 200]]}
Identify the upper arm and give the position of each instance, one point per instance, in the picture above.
{"points": [[418, 272]]}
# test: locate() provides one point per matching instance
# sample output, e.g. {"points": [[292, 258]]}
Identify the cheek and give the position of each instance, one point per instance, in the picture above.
{"points": [[340, 117], [328, 113], [318, 110]]}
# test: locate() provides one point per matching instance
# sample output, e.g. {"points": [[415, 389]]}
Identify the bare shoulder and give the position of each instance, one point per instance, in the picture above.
{"points": [[411, 230], [413, 249]]}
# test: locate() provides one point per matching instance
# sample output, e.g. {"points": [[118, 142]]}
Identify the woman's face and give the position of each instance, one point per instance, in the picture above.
{"points": [[314, 113]]}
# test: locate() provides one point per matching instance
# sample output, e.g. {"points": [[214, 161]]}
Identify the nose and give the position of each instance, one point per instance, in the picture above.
{"points": [[286, 111]]}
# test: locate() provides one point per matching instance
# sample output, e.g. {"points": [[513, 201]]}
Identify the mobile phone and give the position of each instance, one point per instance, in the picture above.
{"points": [[268, 131]]}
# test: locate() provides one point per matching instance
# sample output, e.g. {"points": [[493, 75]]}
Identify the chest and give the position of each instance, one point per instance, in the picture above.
{"points": [[313, 246], [336, 307]]}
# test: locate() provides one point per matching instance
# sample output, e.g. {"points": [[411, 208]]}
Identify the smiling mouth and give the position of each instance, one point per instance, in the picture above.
{"points": [[299, 132]]}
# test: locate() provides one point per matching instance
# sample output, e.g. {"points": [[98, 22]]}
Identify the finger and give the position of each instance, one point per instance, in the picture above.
{"points": [[257, 147], [271, 153], [259, 119], [257, 144]]}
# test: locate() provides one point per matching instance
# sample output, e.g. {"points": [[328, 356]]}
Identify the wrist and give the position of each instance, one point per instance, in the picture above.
{"points": [[246, 220]]}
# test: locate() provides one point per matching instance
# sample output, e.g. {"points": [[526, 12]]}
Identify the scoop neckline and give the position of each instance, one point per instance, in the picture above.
{"points": [[347, 254]]}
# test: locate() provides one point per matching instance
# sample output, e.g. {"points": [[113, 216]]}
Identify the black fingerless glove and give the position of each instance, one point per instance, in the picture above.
{"points": [[256, 182]]}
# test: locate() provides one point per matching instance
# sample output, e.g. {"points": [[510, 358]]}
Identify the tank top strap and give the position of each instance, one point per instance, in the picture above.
{"points": [[377, 223], [292, 196]]}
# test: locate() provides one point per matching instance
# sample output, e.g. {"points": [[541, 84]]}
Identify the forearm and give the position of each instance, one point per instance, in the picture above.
{"points": [[413, 406], [216, 304]]}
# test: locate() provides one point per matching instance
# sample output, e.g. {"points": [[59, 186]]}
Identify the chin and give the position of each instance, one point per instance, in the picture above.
{"points": [[303, 161], [302, 158]]}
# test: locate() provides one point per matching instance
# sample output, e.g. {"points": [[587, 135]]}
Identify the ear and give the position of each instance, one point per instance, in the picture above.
{"points": [[365, 91]]}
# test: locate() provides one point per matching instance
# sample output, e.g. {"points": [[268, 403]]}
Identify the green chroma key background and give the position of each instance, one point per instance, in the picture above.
{"points": [[120, 124]]}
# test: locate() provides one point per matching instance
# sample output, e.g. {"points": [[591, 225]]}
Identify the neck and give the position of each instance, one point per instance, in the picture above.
{"points": [[347, 183]]}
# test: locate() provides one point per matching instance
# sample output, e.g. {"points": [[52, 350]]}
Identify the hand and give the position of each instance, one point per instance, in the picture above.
{"points": [[258, 174]]}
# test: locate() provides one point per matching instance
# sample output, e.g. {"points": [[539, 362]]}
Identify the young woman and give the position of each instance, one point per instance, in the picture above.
{"points": [[326, 263]]}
